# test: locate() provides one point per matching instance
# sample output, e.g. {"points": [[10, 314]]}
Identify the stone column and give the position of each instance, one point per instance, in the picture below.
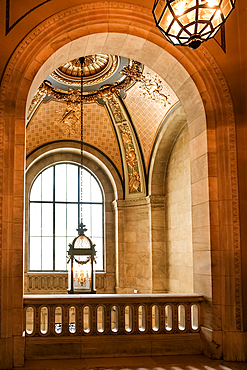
{"points": [[159, 276], [133, 246]]}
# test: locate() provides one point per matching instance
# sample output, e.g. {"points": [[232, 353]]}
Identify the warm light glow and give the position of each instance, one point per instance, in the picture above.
{"points": [[217, 14], [212, 3], [190, 22]]}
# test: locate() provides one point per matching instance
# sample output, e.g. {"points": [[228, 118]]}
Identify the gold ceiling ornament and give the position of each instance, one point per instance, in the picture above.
{"points": [[151, 86], [96, 68], [129, 147], [69, 119], [191, 22], [74, 96]]}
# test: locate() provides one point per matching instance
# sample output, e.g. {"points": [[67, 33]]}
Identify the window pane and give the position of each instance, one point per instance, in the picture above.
{"points": [[86, 186], [35, 219], [60, 219], [35, 253], [47, 184], [47, 219], [60, 253], [99, 253], [43, 236], [35, 193], [86, 212], [72, 183], [96, 191], [97, 220], [47, 253], [60, 182], [72, 219]]}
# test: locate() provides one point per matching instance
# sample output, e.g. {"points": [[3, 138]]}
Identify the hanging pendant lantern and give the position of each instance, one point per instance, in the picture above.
{"points": [[81, 251], [191, 22]]}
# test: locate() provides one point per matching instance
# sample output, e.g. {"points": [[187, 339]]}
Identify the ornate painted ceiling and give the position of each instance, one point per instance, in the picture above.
{"points": [[125, 104]]}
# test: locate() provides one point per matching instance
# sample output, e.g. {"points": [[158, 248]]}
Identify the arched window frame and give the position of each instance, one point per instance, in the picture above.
{"points": [[54, 202]]}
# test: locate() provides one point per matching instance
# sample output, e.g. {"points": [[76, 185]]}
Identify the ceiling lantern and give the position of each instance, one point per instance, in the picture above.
{"points": [[190, 22]]}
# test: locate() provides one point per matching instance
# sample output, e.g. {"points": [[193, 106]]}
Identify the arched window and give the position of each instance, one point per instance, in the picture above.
{"points": [[54, 211]]}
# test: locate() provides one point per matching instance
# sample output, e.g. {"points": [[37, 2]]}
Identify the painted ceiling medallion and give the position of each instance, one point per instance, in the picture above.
{"points": [[96, 68]]}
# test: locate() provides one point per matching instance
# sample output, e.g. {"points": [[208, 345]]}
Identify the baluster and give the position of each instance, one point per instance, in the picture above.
{"points": [[187, 317], [37, 320], [149, 318], [79, 318], [108, 319], [93, 315], [52, 320], [175, 317], [121, 322], [162, 318], [135, 318], [65, 320]]}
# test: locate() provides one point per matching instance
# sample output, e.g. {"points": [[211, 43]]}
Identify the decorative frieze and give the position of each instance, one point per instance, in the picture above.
{"points": [[53, 283], [135, 183]]}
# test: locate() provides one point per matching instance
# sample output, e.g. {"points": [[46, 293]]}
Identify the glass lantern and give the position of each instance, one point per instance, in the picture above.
{"points": [[191, 22], [81, 277]]}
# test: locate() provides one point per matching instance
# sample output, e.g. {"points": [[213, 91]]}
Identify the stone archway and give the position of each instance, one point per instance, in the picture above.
{"points": [[128, 30]]}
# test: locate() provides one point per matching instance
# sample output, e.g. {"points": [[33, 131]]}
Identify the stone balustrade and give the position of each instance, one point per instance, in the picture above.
{"points": [[127, 321]]}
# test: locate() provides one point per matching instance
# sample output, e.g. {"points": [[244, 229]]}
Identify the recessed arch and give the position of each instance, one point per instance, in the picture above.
{"points": [[166, 138], [210, 119], [69, 152]]}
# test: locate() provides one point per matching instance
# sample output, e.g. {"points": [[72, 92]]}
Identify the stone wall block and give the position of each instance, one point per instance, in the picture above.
{"points": [[193, 107], [132, 46], [199, 168], [6, 353], [164, 64], [234, 346], [200, 192], [149, 54], [203, 285], [202, 262], [201, 238], [17, 286], [18, 209], [198, 146], [19, 348], [200, 215], [8, 204], [115, 42], [17, 319], [17, 262], [228, 318], [19, 182], [217, 289]]}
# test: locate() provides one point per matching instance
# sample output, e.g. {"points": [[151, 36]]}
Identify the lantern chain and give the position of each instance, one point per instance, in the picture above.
{"points": [[81, 172]]}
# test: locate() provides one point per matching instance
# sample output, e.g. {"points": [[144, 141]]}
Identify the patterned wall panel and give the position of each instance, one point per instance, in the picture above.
{"points": [[147, 113], [56, 121]]}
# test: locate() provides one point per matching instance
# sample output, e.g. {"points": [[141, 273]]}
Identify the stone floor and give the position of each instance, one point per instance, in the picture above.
{"points": [[185, 362]]}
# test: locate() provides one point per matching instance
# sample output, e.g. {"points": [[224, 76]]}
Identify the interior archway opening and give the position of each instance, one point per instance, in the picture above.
{"points": [[119, 95]]}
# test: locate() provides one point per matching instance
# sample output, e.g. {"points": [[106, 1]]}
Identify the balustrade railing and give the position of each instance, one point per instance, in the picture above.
{"points": [[113, 314]]}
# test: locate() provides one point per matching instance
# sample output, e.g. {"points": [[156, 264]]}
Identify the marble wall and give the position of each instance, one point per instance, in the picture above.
{"points": [[178, 218]]}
